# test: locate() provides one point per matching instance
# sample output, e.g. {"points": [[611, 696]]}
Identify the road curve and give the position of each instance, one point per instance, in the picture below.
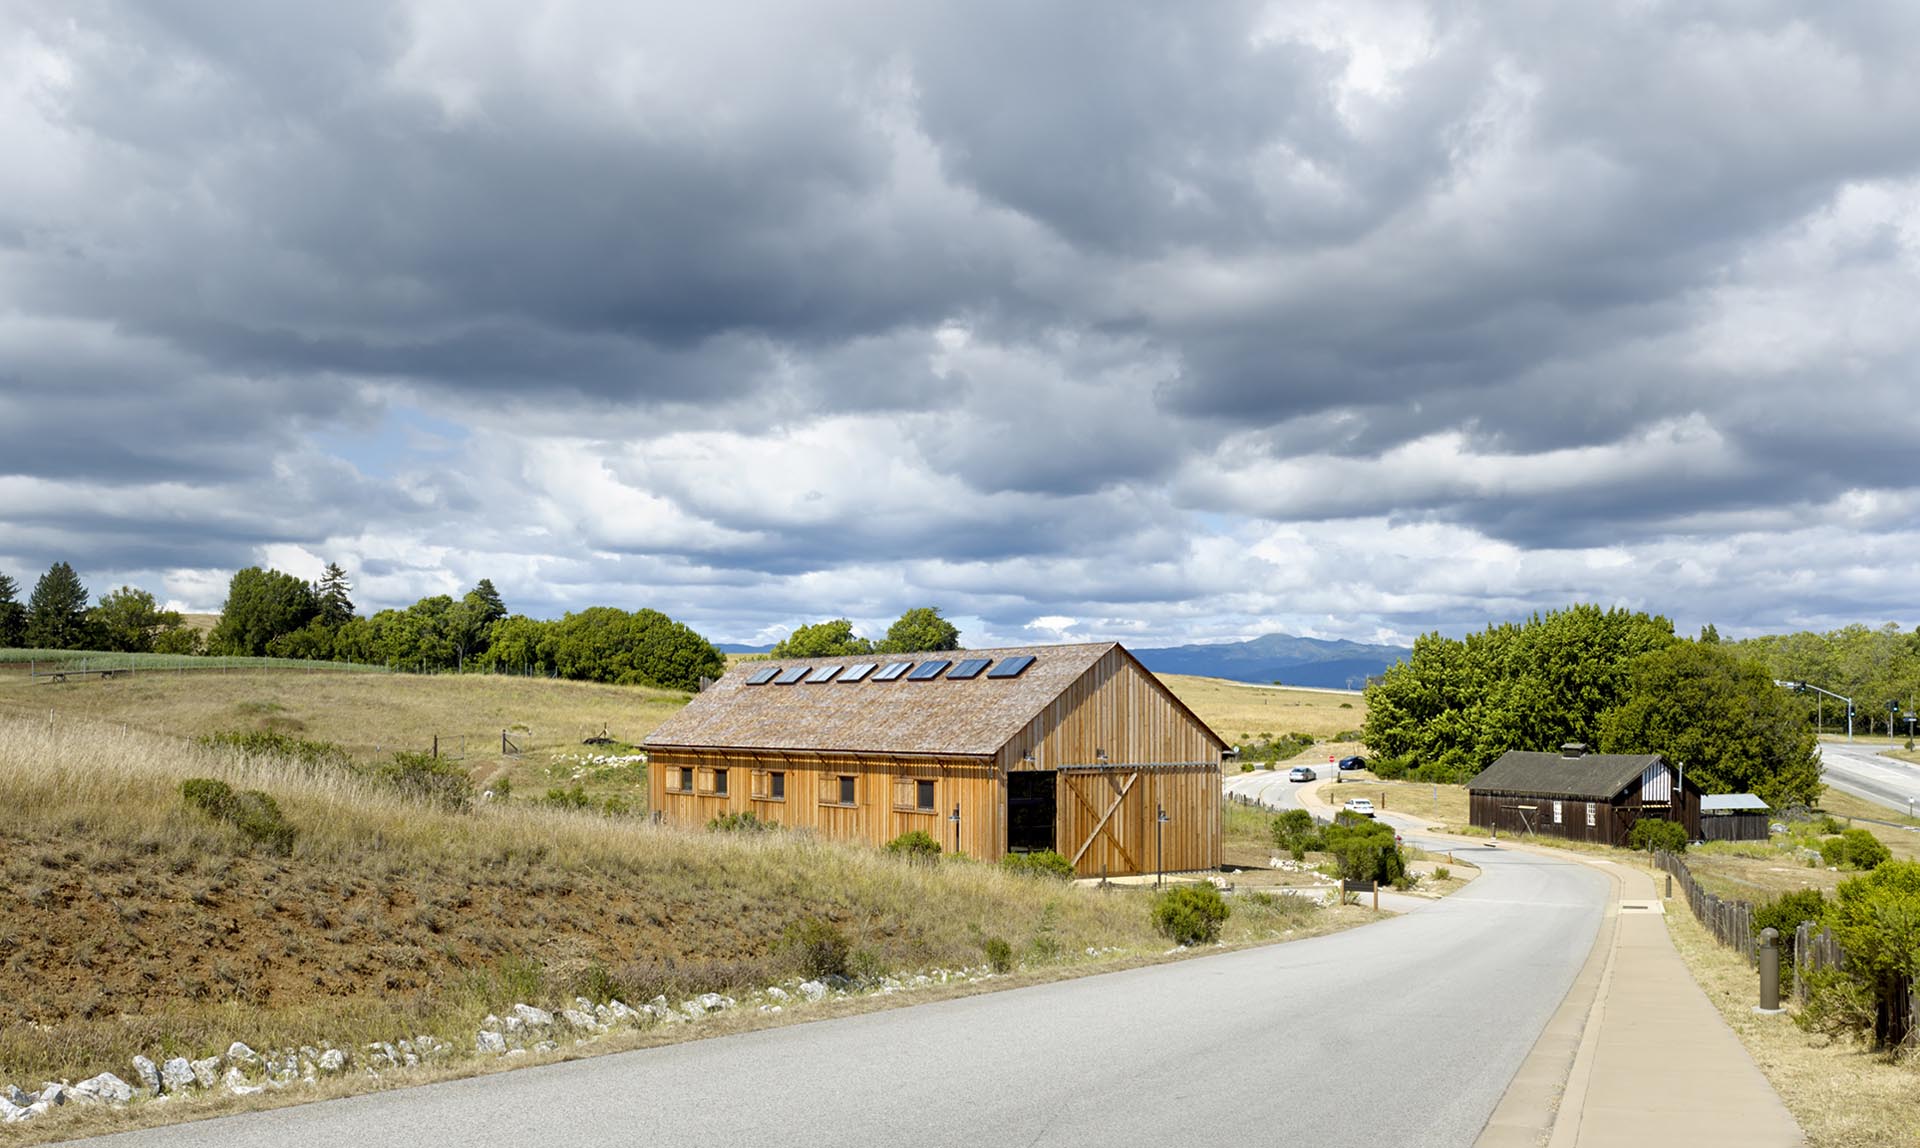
{"points": [[1860, 769], [1404, 1032]]}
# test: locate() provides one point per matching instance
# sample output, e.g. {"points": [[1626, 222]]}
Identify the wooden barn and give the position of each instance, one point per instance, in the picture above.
{"points": [[1071, 748], [1581, 796], [1734, 817]]}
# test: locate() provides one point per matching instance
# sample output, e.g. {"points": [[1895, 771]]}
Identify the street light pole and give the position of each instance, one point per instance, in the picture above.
{"points": [[1159, 843], [1809, 687]]}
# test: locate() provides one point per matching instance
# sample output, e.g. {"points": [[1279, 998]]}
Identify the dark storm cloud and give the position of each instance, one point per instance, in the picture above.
{"points": [[1051, 310]]}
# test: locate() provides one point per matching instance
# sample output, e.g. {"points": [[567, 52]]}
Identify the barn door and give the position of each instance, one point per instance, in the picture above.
{"points": [[1031, 810], [1098, 796]]}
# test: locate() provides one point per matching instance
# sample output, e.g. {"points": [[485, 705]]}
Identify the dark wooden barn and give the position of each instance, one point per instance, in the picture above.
{"points": [[1581, 796], [1734, 817], [1077, 749]]}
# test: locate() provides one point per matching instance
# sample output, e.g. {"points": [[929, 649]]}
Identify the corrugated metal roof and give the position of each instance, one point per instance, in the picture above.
{"points": [[1731, 803], [1592, 776], [975, 716]]}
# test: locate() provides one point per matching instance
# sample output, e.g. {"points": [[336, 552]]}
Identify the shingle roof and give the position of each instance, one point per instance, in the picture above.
{"points": [[973, 717], [1592, 776], [1732, 803]]}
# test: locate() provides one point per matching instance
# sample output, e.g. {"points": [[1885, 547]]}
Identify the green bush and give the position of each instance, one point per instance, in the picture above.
{"points": [[817, 947], [423, 777], [1784, 915], [557, 798], [1365, 850], [1389, 768], [1855, 849], [267, 743], [1830, 825], [1658, 834], [1876, 919], [915, 845], [1270, 748], [740, 823], [1191, 914], [866, 965], [1045, 863], [255, 814], [1294, 831], [999, 954], [1406, 881], [1442, 873], [503, 789]]}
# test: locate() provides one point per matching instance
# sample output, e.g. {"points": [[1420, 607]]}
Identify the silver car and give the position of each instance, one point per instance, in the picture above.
{"points": [[1301, 773]]}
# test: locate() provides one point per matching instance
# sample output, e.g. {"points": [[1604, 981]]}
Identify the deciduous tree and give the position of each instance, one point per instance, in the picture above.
{"points": [[921, 629], [831, 639], [261, 606], [129, 619]]}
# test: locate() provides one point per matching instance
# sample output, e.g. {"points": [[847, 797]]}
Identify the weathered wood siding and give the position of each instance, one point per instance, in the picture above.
{"points": [[1743, 825], [1116, 707], [1612, 820], [877, 815], [1107, 818]]}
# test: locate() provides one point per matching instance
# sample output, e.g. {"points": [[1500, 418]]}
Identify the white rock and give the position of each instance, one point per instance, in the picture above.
{"points": [[53, 1095], [491, 1024], [533, 1017], [516, 1052], [515, 1024], [11, 1113], [105, 1088], [620, 1012], [147, 1073], [12, 1095], [779, 994], [236, 1083], [545, 1046], [332, 1061], [240, 1054], [206, 1073], [812, 990], [177, 1074], [489, 1043], [579, 1020]]}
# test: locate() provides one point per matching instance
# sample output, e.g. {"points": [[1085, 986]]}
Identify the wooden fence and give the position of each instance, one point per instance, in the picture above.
{"points": [[1897, 1012]]}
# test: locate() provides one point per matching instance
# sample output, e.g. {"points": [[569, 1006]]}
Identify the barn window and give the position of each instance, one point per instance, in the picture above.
{"points": [[769, 785], [913, 794], [1557, 820], [683, 779], [1592, 818], [720, 781], [839, 789]]}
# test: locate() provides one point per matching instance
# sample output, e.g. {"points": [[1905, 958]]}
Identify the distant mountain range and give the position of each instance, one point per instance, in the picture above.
{"points": [[1269, 658], [1278, 658]]}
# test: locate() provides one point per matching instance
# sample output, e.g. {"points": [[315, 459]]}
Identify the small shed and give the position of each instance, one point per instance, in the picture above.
{"points": [[1074, 748], [1734, 817], [1581, 796]]}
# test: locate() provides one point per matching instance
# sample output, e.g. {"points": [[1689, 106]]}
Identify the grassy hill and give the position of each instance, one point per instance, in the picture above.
{"points": [[139, 924]]}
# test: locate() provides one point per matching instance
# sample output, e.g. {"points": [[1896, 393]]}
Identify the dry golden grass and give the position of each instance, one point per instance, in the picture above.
{"points": [[1846, 806], [1241, 712], [1446, 804], [138, 925], [1842, 1095]]}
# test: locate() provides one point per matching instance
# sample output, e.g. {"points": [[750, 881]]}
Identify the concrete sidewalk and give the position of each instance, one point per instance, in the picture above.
{"points": [[1656, 1064]]}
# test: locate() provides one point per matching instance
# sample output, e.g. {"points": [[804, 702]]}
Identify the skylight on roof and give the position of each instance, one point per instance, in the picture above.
{"points": [[1011, 667], [893, 670], [970, 668], [929, 670], [857, 671], [762, 676], [823, 674], [791, 676]]}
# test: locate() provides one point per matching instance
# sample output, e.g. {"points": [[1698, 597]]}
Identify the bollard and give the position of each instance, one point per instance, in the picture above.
{"points": [[1769, 972], [1669, 886]]}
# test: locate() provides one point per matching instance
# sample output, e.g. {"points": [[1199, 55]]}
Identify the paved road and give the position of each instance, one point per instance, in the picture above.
{"points": [[1858, 768], [1404, 1032]]}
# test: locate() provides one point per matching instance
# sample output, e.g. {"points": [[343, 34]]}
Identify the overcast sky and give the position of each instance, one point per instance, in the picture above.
{"points": [[1151, 322]]}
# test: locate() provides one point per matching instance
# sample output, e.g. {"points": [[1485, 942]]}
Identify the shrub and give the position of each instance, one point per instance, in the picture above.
{"points": [[1406, 881], [1293, 830], [817, 947], [1442, 873], [1045, 863], [1784, 914], [557, 798], [1365, 850], [1830, 825], [1658, 834], [1270, 748], [1191, 914], [740, 823], [915, 845], [1876, 919], [1389, 768], [1855, 849], [999, 954], [424, 777], [255, 814], [268, 743], [503, 789], [866, 965]]}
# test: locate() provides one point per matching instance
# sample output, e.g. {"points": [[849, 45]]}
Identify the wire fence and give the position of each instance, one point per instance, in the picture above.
{"points": [[72, 665]]}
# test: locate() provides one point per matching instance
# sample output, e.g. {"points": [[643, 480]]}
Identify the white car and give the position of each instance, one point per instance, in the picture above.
{"points": [[1361, 805]]}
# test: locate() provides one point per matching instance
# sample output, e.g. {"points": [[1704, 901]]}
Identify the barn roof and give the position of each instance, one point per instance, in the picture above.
{"points": [[1732, 803], [1593, 776], [972, 717]]}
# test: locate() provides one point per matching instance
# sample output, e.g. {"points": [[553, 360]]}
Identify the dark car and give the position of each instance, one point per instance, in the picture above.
{"points": [[1354, 762]]}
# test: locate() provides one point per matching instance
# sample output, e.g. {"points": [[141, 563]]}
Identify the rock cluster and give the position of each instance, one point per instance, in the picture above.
{"points": [[524, 1029]]}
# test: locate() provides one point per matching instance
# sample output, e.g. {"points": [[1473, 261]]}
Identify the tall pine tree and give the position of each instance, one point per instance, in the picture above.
{"points": [[336, 609], [13, 615], [57, 611]]}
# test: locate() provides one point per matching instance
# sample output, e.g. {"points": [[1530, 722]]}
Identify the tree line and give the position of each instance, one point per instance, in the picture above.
{"points": [[1879, 669], [57, 616], [1619, 680]]}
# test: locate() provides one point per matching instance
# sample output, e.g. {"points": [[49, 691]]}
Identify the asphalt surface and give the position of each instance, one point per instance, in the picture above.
{"points": [[1404, 1032], [1858, 768]]}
